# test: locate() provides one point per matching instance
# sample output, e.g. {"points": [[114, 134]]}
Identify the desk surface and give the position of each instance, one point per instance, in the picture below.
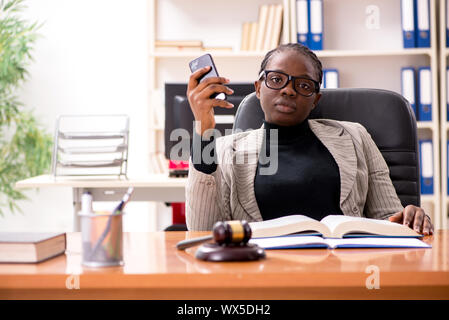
{"points": [[154, 269], [153, 180]]}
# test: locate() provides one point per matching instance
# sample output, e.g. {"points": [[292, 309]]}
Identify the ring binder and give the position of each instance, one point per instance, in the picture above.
{"points": [[425, 94], [426, 168], [423, 24], [302, 22], [316, 24], [408, 23], [408, 87]]}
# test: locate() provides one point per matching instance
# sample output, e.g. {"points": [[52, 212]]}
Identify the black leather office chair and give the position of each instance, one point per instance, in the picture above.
{"points": [[386, 115]]}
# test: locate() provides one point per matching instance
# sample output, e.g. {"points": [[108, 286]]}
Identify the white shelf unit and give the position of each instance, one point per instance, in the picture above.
{"points": [[365, 57], [444, 56]]}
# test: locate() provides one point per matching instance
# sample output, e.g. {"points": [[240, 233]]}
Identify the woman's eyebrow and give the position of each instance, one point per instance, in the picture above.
{"points": [[304, 75]]}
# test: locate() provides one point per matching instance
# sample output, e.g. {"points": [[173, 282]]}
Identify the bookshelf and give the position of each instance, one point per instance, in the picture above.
{"points": [[444, 56], [349, 46]]}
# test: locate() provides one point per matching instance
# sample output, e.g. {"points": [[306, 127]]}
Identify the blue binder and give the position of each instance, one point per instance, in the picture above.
{"points": [[408, 14], [316, 24], [447, 26], [408, 87], [302, 22], [331, 78], [425, 94], [422, 23], [426, 166], [447, 94]]}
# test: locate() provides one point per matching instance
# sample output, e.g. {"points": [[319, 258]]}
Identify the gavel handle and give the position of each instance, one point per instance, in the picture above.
{"points": [[184, 244]]}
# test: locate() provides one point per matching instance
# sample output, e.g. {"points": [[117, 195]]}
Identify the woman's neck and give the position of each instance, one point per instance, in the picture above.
{"points": [[288, 133]]}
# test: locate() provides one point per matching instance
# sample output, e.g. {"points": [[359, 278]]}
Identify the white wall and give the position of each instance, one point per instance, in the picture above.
{"points": [[92, 58]]}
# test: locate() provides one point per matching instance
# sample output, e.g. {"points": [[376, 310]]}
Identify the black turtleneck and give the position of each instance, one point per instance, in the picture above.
{"points": [[307, 180]]}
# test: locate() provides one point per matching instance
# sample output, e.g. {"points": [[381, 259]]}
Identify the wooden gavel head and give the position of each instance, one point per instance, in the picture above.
{"points": [[223, 233], [231, 232]]}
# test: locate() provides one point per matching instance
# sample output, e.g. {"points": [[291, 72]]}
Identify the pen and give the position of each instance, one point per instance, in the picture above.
{"points": [[116, 211], [124, 201]]}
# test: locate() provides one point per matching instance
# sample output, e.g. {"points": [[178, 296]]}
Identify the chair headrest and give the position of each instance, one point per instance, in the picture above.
{"points": [[386, 115]]}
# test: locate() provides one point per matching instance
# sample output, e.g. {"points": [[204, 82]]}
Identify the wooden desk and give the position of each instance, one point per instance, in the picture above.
{"points": [[154, 269], [156, 187]]}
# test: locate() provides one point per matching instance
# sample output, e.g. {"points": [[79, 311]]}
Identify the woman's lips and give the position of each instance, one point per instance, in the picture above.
{"points": [[285, 108]]}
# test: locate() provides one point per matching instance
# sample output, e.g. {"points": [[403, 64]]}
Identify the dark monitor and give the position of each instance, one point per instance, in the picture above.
{"points": [[179, 115]]}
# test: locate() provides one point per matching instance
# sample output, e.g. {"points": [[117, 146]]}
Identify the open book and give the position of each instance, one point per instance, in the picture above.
{"points": [[332, 226]]}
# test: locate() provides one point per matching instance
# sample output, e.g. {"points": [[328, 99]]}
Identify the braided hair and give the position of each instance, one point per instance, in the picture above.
{"points": [[299, 48]]}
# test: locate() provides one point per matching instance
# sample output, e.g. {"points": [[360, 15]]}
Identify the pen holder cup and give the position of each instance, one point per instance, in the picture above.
{"points": [[102, 238]]}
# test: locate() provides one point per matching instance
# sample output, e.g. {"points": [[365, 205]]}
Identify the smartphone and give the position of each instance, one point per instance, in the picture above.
{"points": [[204, 61]]}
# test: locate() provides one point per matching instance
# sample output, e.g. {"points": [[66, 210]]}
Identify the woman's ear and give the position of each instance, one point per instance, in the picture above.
{"points": [[257, 87], [317, 98]]}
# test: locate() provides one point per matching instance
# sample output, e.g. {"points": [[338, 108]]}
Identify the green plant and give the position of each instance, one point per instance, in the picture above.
{"points": [[25, 148]]}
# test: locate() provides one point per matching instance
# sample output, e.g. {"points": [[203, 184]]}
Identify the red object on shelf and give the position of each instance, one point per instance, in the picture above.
{"points": [[178, 168], [179, 212]]}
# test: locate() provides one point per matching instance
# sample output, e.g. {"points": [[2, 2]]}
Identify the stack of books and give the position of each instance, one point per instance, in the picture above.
{"points": [[185, 45], [264, 34], [179, 45]]}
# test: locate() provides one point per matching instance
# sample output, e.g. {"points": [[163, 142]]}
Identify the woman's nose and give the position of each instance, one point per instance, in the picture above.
{"points": [[288, 89]]}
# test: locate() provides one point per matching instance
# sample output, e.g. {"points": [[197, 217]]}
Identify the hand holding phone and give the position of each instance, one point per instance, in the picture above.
{"points": [[205, 91], [204, 61]]}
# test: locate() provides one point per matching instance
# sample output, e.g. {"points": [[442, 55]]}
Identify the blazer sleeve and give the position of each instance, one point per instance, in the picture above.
{"points": [[207, 196], [381, 200]]}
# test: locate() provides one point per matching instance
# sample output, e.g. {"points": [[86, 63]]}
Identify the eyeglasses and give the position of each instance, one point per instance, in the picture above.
{"points": [[278, 80]]}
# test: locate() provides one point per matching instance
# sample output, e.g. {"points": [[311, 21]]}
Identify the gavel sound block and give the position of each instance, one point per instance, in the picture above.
{"points": [[231, 243]]}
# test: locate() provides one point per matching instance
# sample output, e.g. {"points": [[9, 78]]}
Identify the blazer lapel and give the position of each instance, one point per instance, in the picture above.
{"points": [[340, 145], [245, 159]]}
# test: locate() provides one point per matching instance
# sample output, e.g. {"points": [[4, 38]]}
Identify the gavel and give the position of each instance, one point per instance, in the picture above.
{"points": [[224, 233]]}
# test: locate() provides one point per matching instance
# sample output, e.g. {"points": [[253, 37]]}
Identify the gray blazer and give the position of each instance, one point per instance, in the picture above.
{"points": [[228, 193]]}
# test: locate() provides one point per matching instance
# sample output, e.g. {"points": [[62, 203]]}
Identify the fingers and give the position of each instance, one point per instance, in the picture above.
{"points": [[397, 217], [427, 226], [193, 80], [416, 218], [409, 215], [219, 103], [419, 220], [198, 92], [210, 89]]}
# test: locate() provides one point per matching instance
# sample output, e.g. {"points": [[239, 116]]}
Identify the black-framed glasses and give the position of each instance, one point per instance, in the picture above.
{"points": [[278, 80]]}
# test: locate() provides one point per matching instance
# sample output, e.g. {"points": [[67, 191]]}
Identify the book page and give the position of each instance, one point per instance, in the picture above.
{"points": [[290, 242], [340, 226], [287, 225], [377, 243], [333, 221]]}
